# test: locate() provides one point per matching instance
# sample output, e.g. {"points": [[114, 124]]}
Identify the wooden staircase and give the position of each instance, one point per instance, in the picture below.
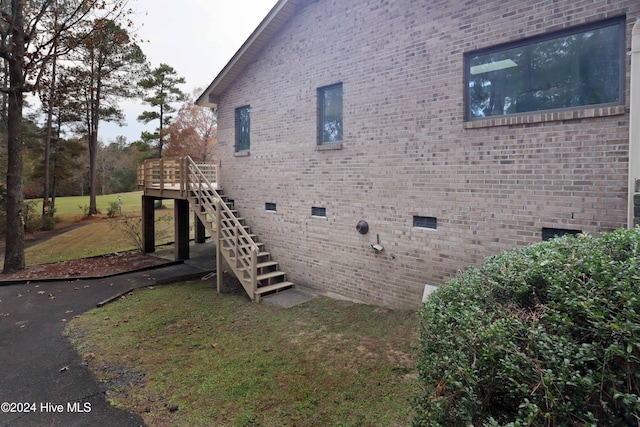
{"points": [[254, 267]]}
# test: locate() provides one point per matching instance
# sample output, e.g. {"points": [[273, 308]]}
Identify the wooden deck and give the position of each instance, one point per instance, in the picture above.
{"points": [[194, 186], [168, 178]]}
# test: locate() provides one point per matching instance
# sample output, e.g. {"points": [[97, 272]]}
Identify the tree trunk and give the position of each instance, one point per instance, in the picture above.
{"points": [[47, 208], [5, 97], [93, 149], [160, 135], [54, 186], [14, 259], [94, 116]]}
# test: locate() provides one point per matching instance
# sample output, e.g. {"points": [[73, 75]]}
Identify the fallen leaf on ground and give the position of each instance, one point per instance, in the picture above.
{"points": [[87, 267]]}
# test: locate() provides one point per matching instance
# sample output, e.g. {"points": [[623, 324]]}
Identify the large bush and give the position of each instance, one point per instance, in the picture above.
{"points": [[546, 335]]}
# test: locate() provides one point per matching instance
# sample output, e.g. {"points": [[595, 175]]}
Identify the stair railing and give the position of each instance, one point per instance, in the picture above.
{"points": [[236, 245]]}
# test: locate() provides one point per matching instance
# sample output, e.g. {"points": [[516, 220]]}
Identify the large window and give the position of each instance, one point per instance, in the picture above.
{"points": [[243, 122], [330, 114], [580, 67]]}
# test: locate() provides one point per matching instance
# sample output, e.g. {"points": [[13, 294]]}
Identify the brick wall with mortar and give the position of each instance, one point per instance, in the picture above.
{"points": [[407, 150], [636, 203]]}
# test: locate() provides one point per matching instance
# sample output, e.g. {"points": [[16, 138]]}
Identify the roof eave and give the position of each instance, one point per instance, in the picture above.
{"points": [[275, 19]]}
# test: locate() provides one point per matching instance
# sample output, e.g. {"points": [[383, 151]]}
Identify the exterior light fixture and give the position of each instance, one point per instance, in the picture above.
{"points": [[362, 227]]}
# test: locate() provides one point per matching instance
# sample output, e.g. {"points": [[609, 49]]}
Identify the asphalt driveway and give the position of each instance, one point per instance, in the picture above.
{"points": [[42, 379]]}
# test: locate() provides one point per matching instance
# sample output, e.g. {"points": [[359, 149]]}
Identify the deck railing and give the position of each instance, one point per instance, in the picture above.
{"points": [[197, 183], [234, 243], [171, 173]]}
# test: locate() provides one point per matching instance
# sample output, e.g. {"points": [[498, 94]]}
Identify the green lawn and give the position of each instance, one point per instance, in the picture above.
{"points": [[184, 355], [92, 239], [100, 235], [74, 206], [96, 238]]}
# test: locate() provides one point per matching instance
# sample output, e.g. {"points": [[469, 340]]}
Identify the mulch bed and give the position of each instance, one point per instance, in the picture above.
{"points": [[104, 265]]}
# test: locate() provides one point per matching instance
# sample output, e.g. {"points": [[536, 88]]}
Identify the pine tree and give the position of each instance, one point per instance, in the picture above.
{"points": [[162, 87]]}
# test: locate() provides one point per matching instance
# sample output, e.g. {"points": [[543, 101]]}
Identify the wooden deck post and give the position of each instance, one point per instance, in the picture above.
{"points": [[219, 272], [184, 176], [200, 234], [148, 225], [254, 275], [161, 169], [181, 221]]}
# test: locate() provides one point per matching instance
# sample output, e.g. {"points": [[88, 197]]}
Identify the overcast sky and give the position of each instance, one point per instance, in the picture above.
{"points": [[196, 37]]}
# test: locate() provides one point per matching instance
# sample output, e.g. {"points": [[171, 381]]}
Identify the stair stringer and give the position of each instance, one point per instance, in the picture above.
{"points": [[242, 251]]}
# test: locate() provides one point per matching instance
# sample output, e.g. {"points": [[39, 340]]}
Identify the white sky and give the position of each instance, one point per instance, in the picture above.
{"points": [[196, 37]]}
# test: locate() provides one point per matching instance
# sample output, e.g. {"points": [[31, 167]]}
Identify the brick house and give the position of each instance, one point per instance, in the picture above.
{"points": [[453, 129]]}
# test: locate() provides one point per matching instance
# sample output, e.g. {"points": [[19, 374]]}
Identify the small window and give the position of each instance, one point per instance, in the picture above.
{"points": [[550, 233], [243, 127], [320, 212], [579, 67], [330, 114], [270, 207], [425, 222]]}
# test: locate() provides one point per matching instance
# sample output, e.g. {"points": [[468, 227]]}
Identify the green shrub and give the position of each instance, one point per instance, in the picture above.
{"points": [[545, 335], [114, 209], [85, 210], [34, 220], [48, 221]]}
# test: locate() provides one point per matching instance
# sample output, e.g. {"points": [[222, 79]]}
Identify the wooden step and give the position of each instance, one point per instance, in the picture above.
{"points": [[271, 288], [270, 275], [267, 264], [204, 201]]}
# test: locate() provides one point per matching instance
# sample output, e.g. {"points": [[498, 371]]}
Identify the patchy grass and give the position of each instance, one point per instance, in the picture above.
{"points": [[185, 355], [94, 238], [98, 236]]}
